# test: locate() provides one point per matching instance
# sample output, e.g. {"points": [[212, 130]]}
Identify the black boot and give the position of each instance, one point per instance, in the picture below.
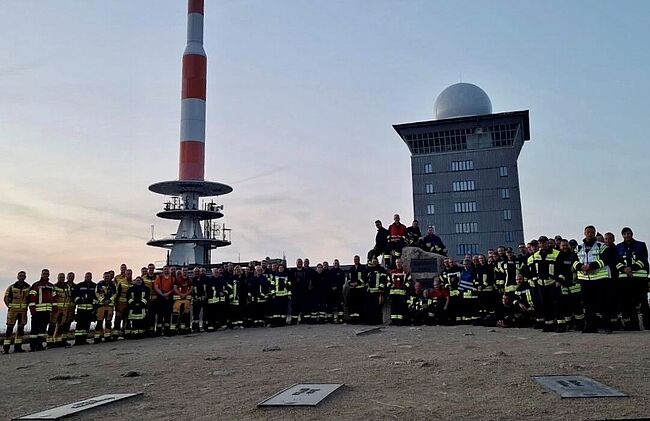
{"points": [[5, 348], [18, 348]]}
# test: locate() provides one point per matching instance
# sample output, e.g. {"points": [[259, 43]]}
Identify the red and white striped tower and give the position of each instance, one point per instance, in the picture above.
{"points": [[192, 242], [192, 154]]}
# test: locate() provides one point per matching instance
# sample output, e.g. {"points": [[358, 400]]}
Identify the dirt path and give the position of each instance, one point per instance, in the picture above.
{"points": [[417, 373]]}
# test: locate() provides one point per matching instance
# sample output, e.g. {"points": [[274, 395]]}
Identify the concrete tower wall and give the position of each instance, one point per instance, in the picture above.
{"points": [[466, 179]]}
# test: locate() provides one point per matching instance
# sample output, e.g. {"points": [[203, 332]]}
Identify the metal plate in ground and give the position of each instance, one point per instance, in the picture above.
{"points": [[72, 408], [577, 387], [301, 394], [368, 330]]}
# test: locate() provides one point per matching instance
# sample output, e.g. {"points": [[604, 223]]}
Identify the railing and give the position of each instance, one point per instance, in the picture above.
{"points": [[216, 231], [176, 203]]}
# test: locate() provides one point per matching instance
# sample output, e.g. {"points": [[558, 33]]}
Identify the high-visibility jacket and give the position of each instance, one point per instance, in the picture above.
{"points": [[137, 296], [122, 284], [399, 282], [633, 255], [259, 288], [237, 288], [545, 266], [149, 281], [358, 275], [199, 289], [592, 255], [509, 270], [376, 279], [63, 295], [106, 293], [450, 278], [17, 296], [41, 296], [280, 285], [397, 230], [84, 295], [215, 289], [485, 277], [523, 296]]}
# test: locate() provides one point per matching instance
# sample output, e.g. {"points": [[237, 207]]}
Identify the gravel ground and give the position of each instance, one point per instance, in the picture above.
{"points": [[458, 372]]}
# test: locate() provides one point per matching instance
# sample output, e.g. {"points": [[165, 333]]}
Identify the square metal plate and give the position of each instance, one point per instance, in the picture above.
{"points": [[577, 387], [72, 408], [301, 394]]}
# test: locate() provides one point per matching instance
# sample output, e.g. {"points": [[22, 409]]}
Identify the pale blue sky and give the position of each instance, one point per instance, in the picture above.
{"points": [[301, 99]]}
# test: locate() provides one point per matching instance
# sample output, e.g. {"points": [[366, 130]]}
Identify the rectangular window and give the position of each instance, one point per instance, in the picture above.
{"points": [[463, 249], [507, 215], [466, 227], [462, 165], [464, 207], [463, 185], [431, 210], [503, 171], [429, 188], [509, 237], [428, 168], [505, 193]]}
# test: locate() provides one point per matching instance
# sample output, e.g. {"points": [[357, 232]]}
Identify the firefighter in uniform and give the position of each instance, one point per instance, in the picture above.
{"points": [[198, 300], [396, 241], [433, 244], [398, 285], [105, 293], [181, 308], [149, 279], [518, 309], [438, 300], [450, 276], [62, 298], [122, 283], [593, 274], [84, 298], [413, 234], [237, 288], [66, 335], [357, 278], [299, 278], [467, 286], [16, 299], [571, 301], [217, 299], [281, 294], [546, 268], [509, 269], [260, 290], [41, 300], [535, 290], [164, 288], [373, 299], [418, 306], [489, 297], [136, 297], [633, 278], [335, 306], [381, 242]]}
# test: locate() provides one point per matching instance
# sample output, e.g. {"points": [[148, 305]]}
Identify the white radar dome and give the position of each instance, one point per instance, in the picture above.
{"points": [[461, 100]]}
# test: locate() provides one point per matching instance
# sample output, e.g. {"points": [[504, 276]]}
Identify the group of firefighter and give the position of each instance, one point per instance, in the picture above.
{"points": [[552, 284]]}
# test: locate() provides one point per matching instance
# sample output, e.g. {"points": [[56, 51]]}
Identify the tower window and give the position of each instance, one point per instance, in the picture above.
{"points": [[503, 171], [467, 185], [429, 188], [428, 168]]}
